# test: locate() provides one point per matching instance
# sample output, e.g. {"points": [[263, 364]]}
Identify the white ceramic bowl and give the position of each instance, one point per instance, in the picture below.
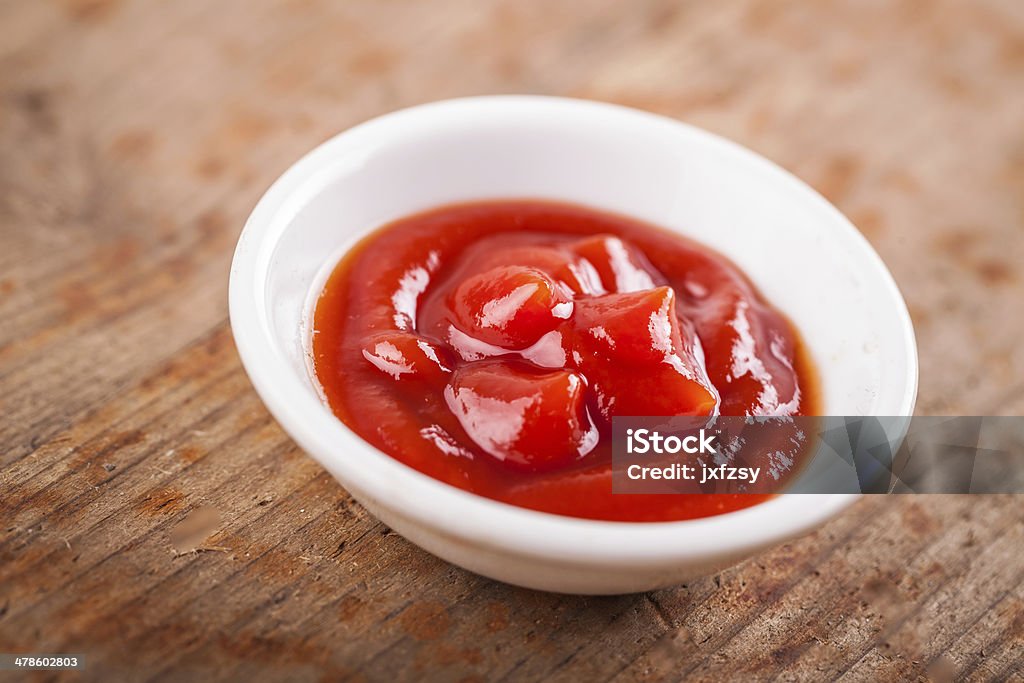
{"points": [[801, 252]]}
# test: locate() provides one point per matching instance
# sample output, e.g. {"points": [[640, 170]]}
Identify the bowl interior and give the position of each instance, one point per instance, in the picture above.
{"points": [[804, 256]]}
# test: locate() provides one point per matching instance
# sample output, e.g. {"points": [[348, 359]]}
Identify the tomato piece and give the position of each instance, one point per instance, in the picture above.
{"points": [[559, 262], [632, 351], [621, 267], [529, 420], [405, 356], [510, 306], [758, 367]]}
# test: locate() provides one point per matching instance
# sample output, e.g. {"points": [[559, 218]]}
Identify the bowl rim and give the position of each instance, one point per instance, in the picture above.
{"points": [[456, 513]]}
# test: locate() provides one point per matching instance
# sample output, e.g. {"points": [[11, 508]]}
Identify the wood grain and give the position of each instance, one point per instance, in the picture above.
{"points": [[136, 136]]}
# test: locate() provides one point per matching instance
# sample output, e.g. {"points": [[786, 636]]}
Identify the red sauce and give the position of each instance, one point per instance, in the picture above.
{"points": [[488, 345]]}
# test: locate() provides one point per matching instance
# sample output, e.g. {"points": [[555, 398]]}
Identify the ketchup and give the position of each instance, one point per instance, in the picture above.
{"points": [[489, 345]]}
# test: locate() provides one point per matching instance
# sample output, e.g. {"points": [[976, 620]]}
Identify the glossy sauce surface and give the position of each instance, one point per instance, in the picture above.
{"points": [[489, 345]]}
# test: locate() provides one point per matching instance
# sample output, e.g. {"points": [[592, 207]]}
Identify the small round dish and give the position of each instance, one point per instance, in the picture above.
{"points": [[803, 255]]}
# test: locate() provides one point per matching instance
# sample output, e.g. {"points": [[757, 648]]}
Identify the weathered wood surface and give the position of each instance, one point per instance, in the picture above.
{"points": [[135, 138]]}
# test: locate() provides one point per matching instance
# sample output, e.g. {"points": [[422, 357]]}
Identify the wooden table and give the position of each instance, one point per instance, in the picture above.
{"points": [[136, 136]]}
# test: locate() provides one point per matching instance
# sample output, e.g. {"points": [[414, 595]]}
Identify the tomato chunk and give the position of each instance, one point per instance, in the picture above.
{"points": [[560, 262], [405, 356], [529, 420], [636, 359], [621, 267], [510, 306]]}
